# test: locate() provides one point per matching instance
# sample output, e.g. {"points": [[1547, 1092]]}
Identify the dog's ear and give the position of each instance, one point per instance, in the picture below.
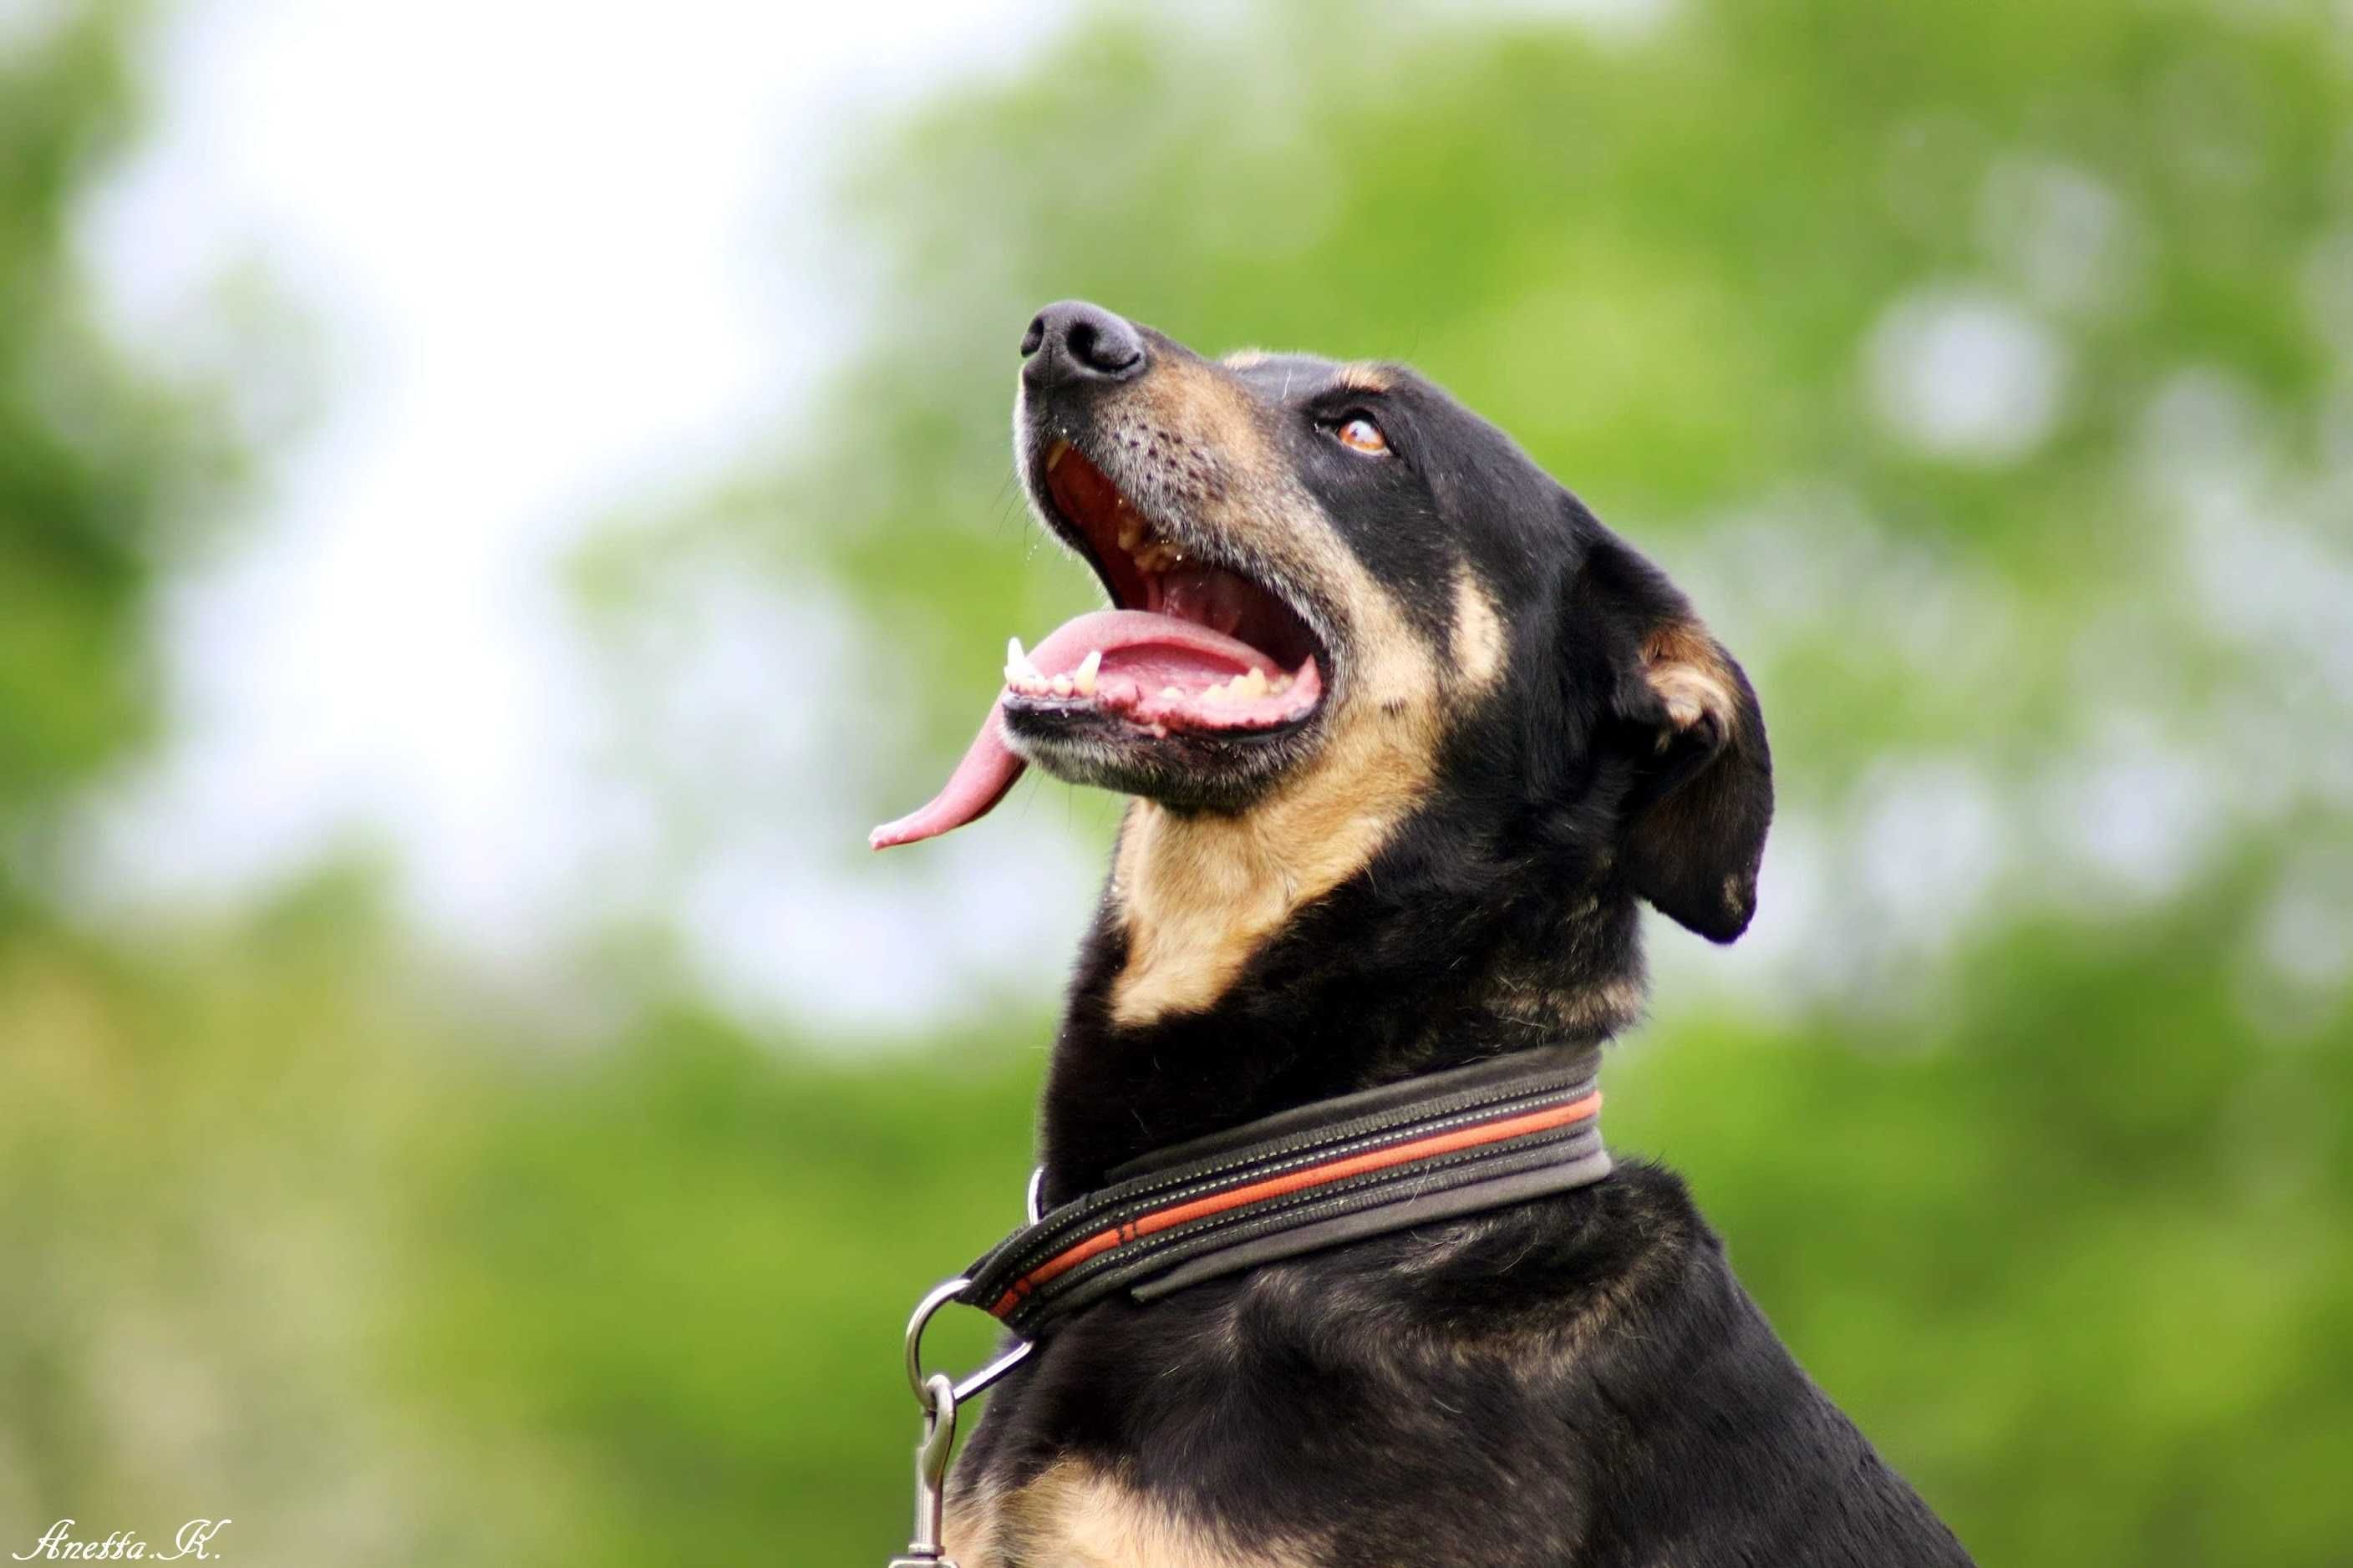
{"points": [[1703, 793]]}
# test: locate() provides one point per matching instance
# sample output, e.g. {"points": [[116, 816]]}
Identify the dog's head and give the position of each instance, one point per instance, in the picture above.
{"points": [[1340, 601]]}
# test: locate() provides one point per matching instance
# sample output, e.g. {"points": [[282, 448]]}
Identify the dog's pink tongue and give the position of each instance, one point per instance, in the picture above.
{"points": [[979, 782], [1170, 649]]}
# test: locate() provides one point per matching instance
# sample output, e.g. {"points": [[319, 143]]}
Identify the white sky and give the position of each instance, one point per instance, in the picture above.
{"points": [[551, 253], [541, 244]]}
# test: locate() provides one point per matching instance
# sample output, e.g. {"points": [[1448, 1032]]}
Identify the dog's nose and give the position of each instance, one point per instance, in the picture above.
{"points": [[1076, 341]]}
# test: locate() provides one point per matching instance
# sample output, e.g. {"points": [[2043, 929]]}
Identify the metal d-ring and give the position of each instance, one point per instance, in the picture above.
{"points": [[948, 1290], [940, 1296], [939, 1395]]}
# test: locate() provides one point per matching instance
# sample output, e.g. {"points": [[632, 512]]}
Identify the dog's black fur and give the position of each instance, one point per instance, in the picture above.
{"points": [[1576, 1380]]}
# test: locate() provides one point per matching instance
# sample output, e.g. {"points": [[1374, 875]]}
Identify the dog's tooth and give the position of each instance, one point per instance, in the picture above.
{"points": [[1281, 684], [1056, 453], [1220, 695], [1088, 668], [1018, 664], [1131, 532], [1172, 691], [1250, 684], [1063, 685]]}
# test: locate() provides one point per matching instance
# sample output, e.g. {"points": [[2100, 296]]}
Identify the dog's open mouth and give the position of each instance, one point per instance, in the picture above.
{"points": [[1189, 649], [1186, 646]]}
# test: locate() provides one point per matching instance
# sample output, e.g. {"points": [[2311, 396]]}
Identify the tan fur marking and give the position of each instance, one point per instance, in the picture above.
{"points": [[968, 1526], [1689, 675], [1243, 359], [1605, 1007], [1362, 377], [1201, 892], [1079, 1516], [1192, 399], [1478, 633]]}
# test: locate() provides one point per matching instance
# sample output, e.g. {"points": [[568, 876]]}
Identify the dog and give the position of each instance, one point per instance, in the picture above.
{"points": [[1409, 735]]}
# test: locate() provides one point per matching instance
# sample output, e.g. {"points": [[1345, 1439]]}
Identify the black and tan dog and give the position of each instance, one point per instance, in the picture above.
{"points": [[1410, 735]]}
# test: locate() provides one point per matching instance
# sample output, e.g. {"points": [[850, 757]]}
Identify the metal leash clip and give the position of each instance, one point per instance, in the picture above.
{"points": [[939, 1395], [930, 1475]]}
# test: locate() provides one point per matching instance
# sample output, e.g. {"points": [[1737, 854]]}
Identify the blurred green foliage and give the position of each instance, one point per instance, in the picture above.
{"points": [[390, 1290], [96, 456], [300, 1227]]}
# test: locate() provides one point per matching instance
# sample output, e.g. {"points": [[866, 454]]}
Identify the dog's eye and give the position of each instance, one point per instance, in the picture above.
{"points": [[1362, 435]]}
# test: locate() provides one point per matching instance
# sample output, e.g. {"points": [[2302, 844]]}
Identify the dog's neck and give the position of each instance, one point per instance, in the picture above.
{"points": [[1220, 983]]}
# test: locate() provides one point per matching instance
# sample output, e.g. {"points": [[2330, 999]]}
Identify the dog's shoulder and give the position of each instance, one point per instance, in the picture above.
{"points": [[1580, 1379]]}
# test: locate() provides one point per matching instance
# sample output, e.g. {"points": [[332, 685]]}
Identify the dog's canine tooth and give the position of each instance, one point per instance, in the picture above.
{"points": [[1084, 680], [1056, 453]]}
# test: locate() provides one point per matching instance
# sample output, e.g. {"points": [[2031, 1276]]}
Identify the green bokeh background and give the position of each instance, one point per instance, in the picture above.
{"points": [[301, 1225]]}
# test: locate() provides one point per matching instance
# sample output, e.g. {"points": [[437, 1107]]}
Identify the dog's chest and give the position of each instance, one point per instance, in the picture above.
{"points": [[1077, 1516], [1279, 1419]]}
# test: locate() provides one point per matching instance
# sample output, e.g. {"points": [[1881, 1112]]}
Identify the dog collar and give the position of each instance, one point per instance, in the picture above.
{"points": [[1500, 1132], [1497, 1132]]}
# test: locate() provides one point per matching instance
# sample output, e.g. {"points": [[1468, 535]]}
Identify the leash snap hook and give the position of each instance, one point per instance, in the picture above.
{"points": [[924, 1550], [939, 1395]]}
